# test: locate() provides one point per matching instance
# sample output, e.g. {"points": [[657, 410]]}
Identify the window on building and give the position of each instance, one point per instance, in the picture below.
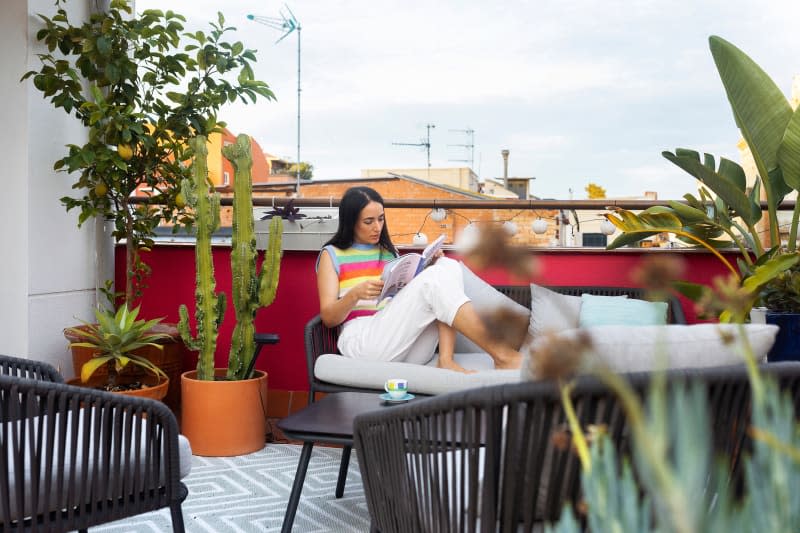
{"points": [[226, 178], [595, 239]]}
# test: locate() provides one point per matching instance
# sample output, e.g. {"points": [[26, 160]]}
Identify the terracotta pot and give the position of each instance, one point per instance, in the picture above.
{"points": [[224, 418], [156, 386], [169, 359]]}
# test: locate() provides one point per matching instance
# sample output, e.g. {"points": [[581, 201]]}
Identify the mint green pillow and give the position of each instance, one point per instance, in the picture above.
{"points": [[613, 311]]}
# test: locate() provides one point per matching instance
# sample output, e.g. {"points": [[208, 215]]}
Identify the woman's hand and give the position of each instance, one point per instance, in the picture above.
{"points": [[368, 290]]}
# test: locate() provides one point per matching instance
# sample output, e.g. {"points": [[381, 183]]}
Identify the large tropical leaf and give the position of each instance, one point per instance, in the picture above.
{"points": [[722, 186], [759, 106], [789, 152], [688, 213]]}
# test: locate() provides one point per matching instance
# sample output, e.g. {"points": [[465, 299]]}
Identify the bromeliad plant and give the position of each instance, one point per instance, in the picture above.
{"points": [[252, 288], [726, 212], [114, 338]]}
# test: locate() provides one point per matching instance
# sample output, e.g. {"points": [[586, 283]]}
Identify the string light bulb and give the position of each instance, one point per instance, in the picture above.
{"points": [[510, 227], [539, 226], [607, 228], [438, 214], [468, 238], [420, 239]]}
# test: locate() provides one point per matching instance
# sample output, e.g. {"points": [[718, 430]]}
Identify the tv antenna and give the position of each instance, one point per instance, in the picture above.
{"points": [[287, 23], [470, 133], [423, 143]]}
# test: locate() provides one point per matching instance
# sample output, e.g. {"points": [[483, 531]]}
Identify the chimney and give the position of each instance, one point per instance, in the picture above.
{"points": [[505, 167]]}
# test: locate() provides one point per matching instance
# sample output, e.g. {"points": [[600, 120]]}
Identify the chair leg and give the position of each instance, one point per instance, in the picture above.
{"points": [[177, 518], [343, 471]]}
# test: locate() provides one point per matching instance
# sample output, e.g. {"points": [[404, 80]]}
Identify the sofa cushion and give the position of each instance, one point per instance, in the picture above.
{"points": [[645, 348], [613, 311], [485, 298], [422, 379]]}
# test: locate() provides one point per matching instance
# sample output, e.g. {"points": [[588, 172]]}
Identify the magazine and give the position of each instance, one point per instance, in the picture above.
{"points": [[400, 271]]}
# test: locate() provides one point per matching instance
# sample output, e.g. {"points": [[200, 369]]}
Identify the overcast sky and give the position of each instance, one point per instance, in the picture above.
{"points": [[579, 91]]}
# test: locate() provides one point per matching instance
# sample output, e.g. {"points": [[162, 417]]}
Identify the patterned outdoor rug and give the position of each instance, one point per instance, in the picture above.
{"points": [[250, 493]]}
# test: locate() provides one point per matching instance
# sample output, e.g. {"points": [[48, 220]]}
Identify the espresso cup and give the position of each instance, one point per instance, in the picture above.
{"points": [[396, 387]]}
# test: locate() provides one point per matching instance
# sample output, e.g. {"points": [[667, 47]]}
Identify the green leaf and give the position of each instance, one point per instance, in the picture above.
{"points": [[759, 106], [90, 366], [769, 270], [687, 213], [722, 186], [693, 291], [789, 152]]}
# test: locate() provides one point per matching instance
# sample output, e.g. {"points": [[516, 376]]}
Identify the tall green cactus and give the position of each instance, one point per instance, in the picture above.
{"points": [[251, 290], [209, 306]]}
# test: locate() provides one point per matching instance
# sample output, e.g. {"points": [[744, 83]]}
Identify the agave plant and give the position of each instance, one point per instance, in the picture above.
{"points": [[726, 213], [115, 337]]}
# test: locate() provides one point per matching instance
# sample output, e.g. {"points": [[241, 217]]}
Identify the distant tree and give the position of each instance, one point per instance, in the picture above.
{"points": [[306, 170], [595, 191]]}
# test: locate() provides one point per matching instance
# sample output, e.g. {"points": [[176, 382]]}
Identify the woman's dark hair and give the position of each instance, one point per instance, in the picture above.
{"points": [[354, 200]]}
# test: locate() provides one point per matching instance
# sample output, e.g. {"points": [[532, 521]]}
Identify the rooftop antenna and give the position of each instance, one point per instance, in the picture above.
{"points": [[470, 133], [422, 143], [287, 23]]}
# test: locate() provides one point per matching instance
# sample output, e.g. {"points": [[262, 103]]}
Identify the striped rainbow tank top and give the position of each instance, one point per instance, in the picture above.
{"points": [[355, 265]]}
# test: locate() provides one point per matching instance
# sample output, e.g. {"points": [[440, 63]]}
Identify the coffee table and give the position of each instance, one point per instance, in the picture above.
{"points": [[326, 421]]}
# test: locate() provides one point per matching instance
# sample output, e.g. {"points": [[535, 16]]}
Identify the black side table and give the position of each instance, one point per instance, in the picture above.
{"points": [[326, 421]]}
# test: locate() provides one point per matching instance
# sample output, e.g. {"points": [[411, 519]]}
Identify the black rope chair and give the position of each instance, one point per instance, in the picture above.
{"points": [[74, 457], [485, 460]]}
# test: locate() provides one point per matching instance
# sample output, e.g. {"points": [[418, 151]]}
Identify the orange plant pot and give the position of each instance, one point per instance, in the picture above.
{"points": [[224, 418], [156, 386]]}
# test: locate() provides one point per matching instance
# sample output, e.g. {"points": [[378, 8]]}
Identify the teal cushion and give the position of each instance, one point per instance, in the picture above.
{"points": [[613, 311]]}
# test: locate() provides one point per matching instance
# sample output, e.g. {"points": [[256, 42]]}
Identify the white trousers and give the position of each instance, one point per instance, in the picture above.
{"points": [[405, 329]]}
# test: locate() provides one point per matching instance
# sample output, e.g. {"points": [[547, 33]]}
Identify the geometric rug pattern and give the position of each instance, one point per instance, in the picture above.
{"points": [[249, 493]]}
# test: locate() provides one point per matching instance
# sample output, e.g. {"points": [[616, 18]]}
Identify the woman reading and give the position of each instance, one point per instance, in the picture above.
{"points": [[408, 327]]}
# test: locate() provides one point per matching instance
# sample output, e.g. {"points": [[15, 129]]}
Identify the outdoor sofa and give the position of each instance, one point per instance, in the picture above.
{"points": [[329, 371]]}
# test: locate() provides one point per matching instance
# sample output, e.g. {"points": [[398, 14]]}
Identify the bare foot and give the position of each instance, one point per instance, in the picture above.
{"points": [[511, 362], [452, 365]]}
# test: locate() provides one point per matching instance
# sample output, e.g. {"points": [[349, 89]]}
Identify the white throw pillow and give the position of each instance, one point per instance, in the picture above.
{"points": [[485, 298], [645, 348]]}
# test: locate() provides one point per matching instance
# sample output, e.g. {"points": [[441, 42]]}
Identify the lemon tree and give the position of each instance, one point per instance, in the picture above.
{"points": [[142, 86]]}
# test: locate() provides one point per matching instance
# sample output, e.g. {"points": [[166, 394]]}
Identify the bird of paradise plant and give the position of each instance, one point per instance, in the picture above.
{"points": [[726, 212]]}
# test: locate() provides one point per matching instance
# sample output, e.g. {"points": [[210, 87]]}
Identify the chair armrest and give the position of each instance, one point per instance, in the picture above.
{"points": [[319, 339], [28, 368]]}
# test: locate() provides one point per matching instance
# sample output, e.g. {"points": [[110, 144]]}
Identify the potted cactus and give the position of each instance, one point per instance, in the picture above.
{"points": [[224, 409]]}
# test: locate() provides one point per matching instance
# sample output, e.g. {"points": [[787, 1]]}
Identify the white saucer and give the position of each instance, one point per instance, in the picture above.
{"points": [[386, 398]]}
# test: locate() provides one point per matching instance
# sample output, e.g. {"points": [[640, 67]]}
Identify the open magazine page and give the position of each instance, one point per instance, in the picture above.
{"points": [[399, 272], [430, 252]]}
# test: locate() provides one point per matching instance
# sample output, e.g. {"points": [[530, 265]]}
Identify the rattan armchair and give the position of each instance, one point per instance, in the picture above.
{"points": [[74, 457], [485, 460]]}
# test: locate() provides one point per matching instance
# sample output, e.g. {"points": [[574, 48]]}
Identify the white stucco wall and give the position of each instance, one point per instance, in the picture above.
{"points": [[50, 266], [13, 235]]}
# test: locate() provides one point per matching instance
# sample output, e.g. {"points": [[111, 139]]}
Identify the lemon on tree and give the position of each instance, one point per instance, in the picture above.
{"points": [[125, 151]]}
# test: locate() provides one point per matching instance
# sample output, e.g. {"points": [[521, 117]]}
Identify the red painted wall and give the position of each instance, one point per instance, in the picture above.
{"points": [[173, 276]]}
